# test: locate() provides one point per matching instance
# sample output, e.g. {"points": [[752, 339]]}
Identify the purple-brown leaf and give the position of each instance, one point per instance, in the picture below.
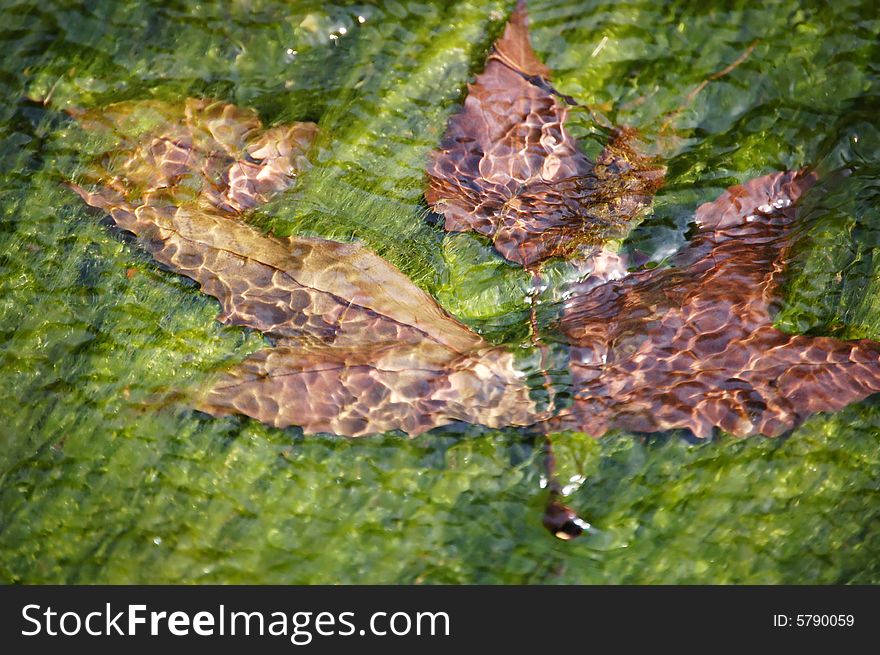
{"points": [[507, 167], [693, 346]]}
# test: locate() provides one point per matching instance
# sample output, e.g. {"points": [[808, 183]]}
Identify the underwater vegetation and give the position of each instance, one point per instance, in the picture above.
{"points": [[359, 349], [562, 317]]}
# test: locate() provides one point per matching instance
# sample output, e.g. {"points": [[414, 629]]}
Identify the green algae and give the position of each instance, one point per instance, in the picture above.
{"points": [[101, 483]]}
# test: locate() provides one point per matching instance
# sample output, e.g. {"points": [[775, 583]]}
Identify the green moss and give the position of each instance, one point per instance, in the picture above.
{"points": [[104, 478]]}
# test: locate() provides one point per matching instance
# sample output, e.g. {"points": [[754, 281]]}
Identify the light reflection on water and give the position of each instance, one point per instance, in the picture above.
{"points": [[96, 488]]}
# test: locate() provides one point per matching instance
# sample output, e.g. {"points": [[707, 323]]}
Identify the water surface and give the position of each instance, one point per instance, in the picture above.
{"points": [[98, 485]]}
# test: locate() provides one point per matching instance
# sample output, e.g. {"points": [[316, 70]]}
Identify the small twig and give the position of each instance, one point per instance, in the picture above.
{"points": [[702, 85], [536, 337], [48, 97]]}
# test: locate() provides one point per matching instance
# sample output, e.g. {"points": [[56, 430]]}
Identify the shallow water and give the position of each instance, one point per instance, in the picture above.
{"points": [[99, 485]]}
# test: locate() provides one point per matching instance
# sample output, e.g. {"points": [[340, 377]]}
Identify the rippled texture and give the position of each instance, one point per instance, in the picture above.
{"points": [[693, 346], [508, 169], [97, 487], [358, 348]]}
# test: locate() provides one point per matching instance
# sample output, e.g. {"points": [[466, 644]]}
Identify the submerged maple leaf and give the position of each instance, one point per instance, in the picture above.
{"points": [[359, 349], [507, 167]]}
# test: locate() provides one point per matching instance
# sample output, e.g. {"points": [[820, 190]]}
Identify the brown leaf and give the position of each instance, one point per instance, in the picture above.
{"points": [[693, 346], [359, 348], [203, 154], [375, 387], [507, 167]]}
